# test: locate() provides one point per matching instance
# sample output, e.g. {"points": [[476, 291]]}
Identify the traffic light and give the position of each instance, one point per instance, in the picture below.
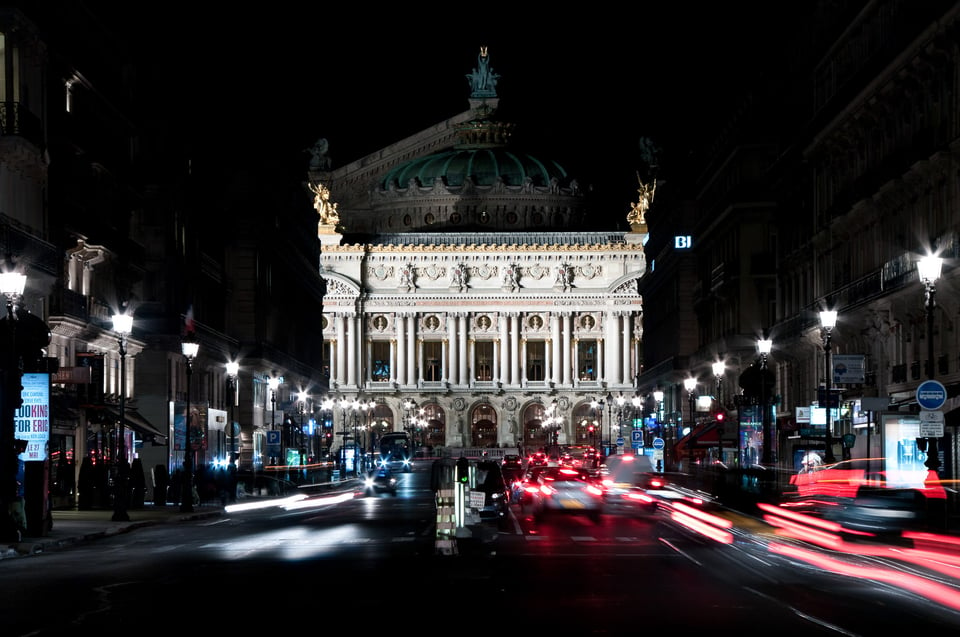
{"points": [[463, 469], [720, 417]]}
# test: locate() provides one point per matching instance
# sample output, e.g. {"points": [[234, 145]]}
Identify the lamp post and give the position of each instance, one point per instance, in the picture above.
{"points": [[621, 402], [301, 409], [929, 270], [690, 384], [828, 320], [552, 424], [658, 396], [597, 407], [344, 404], [606, 440], [273, 383], [12, 285], [764, 345], [190, 349], [718, 368], [122, 325], [233, 373], [326, 409]]}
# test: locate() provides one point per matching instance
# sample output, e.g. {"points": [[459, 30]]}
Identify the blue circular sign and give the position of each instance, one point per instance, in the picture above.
{"points": [[931, 394], [658, 443]]}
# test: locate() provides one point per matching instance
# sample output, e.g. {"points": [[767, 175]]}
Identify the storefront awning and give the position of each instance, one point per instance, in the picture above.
{"points": [[135, 420]]}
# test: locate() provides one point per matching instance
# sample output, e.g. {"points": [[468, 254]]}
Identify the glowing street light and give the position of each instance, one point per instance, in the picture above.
{"points": [[122, 325]]}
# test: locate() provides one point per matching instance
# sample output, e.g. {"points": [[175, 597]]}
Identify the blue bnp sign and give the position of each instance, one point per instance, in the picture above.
{"points": [[931, 395]]}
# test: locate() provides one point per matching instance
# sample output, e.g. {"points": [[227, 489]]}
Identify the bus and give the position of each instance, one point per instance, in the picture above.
{"points": [[396, 451]]}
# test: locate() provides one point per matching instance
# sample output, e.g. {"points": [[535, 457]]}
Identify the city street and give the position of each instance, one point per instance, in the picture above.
{"points": [[333, 558]]}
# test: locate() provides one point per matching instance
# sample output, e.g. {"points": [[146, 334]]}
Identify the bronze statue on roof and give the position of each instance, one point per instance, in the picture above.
{"points": [[483, 81]]}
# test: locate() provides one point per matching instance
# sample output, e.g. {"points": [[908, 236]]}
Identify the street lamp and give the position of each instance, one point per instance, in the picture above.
{"points": [[929, 270], [122, 325], [605, 441], [597, 406], [658, 396], [764, 345], [190, 349], [12, 285], [273, 383], [552, 424], [301, 408], [233, 374], [690, 384], [326, 407], [621, 402], [828, 320], [718, 368]]}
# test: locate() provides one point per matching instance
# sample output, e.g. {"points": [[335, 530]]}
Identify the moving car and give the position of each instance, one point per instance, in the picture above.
{"points": [[537, 459], [524, 489], [380, 480], [496, 492], [630, 484], [567, 490], [869, 497], [512, 460]]}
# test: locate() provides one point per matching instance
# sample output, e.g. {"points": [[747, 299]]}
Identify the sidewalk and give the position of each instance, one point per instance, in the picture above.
{"points": [[71, 526]]}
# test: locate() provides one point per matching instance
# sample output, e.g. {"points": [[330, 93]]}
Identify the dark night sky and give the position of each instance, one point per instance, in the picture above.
{"points": [[584, 85]]}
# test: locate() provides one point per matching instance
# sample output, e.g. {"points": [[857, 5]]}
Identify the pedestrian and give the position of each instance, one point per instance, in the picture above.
{"points": [[86, 485], [161, 481], [232, 480], [16, 509], [138, 484]]}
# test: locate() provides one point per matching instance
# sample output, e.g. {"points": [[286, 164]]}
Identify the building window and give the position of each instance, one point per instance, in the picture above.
{"points": [[536, 351], [433, 361], [380, 361], [483, 354], [587, 360]]}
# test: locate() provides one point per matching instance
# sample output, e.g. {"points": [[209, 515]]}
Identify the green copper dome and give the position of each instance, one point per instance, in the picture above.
{"points": [[484, 166]]}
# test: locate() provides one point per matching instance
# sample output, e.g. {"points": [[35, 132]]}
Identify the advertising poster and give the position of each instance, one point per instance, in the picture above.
{"points": [[32, 420]]}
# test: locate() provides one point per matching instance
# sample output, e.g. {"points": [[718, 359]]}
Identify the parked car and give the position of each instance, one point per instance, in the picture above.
{"points": [[567, 490]]}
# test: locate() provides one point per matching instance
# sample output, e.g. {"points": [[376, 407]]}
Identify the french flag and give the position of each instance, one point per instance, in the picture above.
{"points": [[188, 322]]}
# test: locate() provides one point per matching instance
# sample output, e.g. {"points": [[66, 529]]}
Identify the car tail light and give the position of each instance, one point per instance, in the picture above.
{"points": [[593, 489], [657, 484], [636, 496], [547, 489]]}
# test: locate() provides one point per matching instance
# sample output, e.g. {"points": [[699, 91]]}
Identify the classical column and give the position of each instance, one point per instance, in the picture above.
{"points": [[341, 350], [504, 349], [556, 365], [411, 349], [514, 349], [611, 336], [462, 332], [566, 363], [452, 354], [400, 373], [626, 376], [352, 345]]}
